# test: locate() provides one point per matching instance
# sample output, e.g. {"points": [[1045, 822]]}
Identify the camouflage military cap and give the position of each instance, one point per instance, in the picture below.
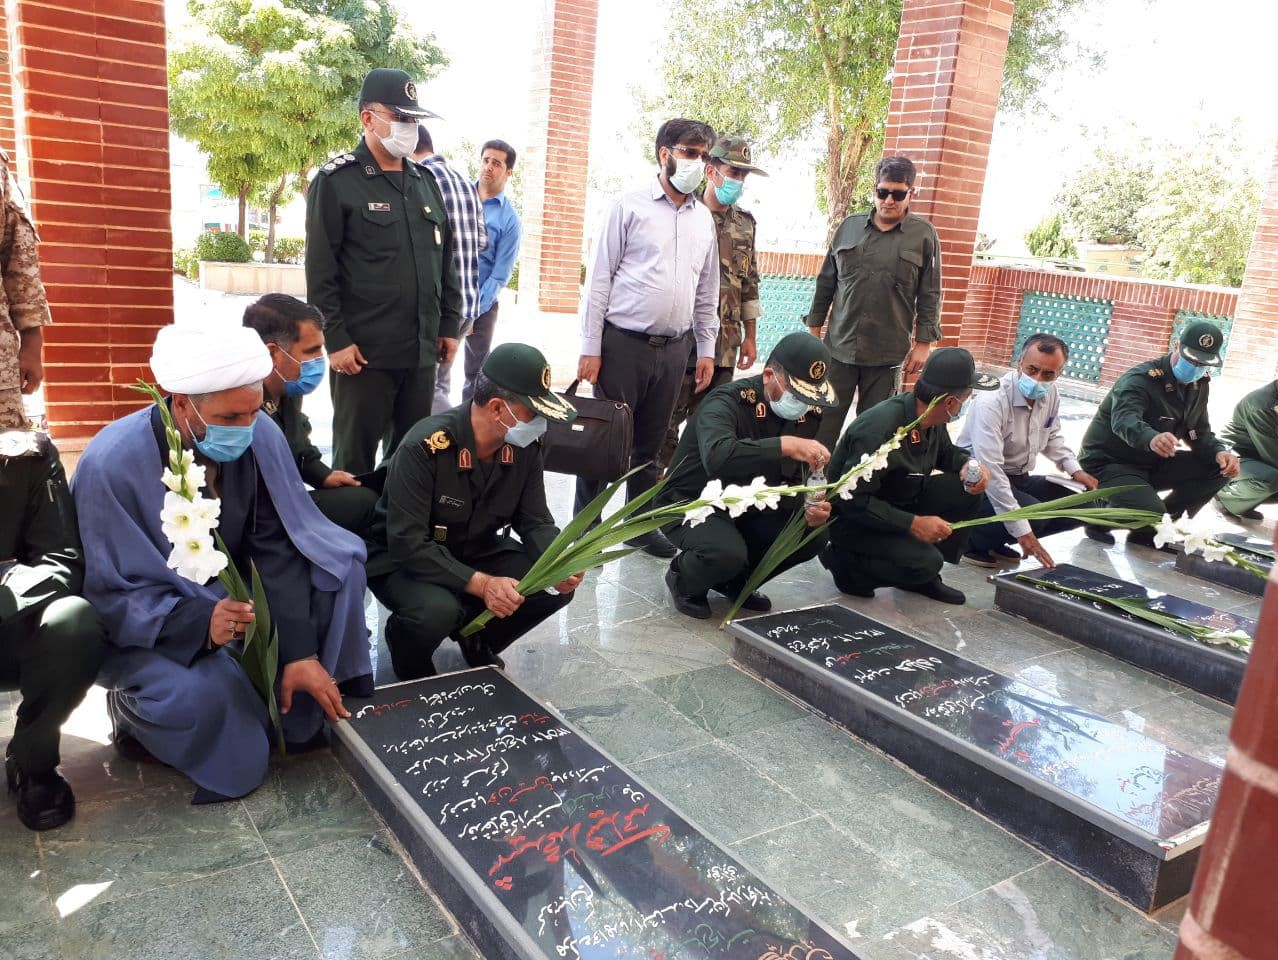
{"points": [[735, 152]]}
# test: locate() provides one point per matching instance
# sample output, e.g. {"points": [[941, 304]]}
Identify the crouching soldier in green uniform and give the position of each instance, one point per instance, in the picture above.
{"points": [[1152, 408], [758, 426], [1253, 433], [895, 531], [51, 640], [440, 552], [293, 332]]}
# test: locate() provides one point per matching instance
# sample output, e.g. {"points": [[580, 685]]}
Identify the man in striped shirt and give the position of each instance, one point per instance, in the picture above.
{"points": [[465, 213]]}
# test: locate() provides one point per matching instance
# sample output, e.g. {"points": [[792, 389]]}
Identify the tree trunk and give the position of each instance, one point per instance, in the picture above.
{"points": [[844, 154], [270, 218], [242, 229]]}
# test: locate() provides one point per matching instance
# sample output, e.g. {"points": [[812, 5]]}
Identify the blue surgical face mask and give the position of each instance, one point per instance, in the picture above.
{"points": [[962, 410], [311, 376], [789, 406], [1030, 388], [1187, 372], [522, 434], [728, 192], [222, 444]]}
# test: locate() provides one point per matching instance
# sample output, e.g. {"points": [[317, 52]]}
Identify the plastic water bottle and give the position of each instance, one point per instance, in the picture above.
{"points": [[971, 475], [815, 477]]}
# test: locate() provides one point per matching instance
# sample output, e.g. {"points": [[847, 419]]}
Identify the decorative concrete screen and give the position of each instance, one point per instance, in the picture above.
{"points": [[1186, 317], [786, 301], [1082, 322]]}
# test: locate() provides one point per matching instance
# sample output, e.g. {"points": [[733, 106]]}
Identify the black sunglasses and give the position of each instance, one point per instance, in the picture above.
{"points": [[897, 195]]}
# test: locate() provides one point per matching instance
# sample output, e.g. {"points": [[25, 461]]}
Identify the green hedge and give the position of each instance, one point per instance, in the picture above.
{"points": [[224, 247]]}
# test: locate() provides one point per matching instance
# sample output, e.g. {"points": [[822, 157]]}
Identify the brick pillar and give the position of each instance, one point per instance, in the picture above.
{"points": [[1231, 907], [554, 201], [6, 86], [945, 88], [91, 94], [1254, 341]]}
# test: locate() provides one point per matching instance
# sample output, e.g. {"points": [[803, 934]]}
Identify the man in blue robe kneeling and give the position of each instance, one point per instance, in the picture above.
{"points": [[173, 687]]}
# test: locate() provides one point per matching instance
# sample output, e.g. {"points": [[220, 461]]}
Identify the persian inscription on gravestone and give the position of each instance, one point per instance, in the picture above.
{"points": [[585, 858], [1155, 789], [1068, 575]]}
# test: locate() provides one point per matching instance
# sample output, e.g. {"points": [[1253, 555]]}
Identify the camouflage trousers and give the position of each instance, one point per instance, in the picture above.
{"points": [[11, 413]]}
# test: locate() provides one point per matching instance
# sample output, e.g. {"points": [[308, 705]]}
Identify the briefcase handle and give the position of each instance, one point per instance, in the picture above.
{"points": [[572, 388]]}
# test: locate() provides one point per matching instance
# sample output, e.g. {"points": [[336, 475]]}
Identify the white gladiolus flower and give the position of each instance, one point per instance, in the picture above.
{"points": [[765, 497], [736, 500], [1215, 550], [174, 481], [712, 493], [197, 559], [194, 478], [1167, 531], [699, 515], [183, 519]]}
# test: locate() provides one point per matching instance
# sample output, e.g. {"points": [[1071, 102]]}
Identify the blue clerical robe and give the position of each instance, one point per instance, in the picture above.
{"points": [[194, 708]]}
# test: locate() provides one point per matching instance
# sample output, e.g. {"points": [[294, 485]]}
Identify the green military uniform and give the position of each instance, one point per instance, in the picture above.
{"points": [[734, 437], [739, 306], [51, 641], [349, 507], [1148, 400], [884, 288], [379, 266], [443, 516], [1253, 433], [870, 533]]}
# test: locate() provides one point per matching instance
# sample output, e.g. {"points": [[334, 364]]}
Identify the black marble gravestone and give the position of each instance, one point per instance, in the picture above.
{"points": [[542, 846], [1123, 809], [1259, 552], [1216, 671]]}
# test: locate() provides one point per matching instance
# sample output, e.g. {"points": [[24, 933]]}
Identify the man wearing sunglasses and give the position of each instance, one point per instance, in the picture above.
{"points": [[880, 290], [379, 266]]}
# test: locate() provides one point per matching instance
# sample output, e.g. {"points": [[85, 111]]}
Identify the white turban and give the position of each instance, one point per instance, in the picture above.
{"points": [[192, 359]]}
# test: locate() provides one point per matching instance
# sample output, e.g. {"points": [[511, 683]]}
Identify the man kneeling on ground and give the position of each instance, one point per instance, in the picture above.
{"points": [[173, 689], [756, 427], [440, 548], [895, 531]]}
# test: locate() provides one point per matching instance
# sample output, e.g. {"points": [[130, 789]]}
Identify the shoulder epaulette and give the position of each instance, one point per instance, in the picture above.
{"points": [[338, 162], [1155, 372]]}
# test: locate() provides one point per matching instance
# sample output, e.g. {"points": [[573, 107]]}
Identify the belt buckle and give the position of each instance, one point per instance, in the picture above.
{"points": [[658, 341]]}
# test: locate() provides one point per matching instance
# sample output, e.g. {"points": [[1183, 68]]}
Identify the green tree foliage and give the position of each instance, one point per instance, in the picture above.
{"points": [[1202, 212], [1102, 202], [786, 73], [267, 88], [1048, 239]]}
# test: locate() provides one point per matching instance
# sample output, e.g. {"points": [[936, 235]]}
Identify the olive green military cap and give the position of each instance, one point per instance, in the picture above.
{"points": [[1201, 343], [394, 89], [952, 368], [523, 371], [806, 362], [735, 152]]}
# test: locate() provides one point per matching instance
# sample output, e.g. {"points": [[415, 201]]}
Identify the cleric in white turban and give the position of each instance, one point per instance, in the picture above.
{"points": [[174, 691]]}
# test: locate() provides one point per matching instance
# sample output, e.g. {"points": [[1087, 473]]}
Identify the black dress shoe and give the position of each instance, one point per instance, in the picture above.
{"points": [[405, 664], [316, 741], [655, 544], [757, 601], [697, 607], [1144, 537], [1006, 554], [476, 653], [45, 800], [846, 580], [1099, 534], [1252, 514], [937, 590]]}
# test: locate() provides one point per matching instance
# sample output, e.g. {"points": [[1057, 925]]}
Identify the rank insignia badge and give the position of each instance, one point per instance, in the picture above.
{"points": [[438, 441]]}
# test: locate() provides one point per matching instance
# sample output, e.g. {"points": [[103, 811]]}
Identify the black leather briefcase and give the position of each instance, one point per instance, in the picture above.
{"points": [[595, 446]]}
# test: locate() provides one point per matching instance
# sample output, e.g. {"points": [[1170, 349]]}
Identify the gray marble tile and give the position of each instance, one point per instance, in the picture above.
{"points": [[1182, 724], [1171, 916], [652, 647], [450, 948], [820, 763], [152, 840], [98, 774], [1046, 913], [244, 913], [992, 638], [307, 801], [26, 897], [724, 701], [632, 723], [1094, 681], [35, 941], [721, 793], [560, 670], [361, 901]]}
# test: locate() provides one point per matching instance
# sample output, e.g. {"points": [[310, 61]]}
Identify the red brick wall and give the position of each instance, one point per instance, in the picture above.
{"points": [[777, 263], [1144, 311], [945, 88], [7, 138], [554, 213], [1256, 329], [91, 93]]}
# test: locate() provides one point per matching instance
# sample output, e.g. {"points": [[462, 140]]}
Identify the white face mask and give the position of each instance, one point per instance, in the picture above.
{"points": [[688, 174], [402, 139]]}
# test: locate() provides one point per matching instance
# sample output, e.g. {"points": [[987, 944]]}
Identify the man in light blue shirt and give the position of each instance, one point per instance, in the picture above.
{"points": [[497, 260], [652, 296]]}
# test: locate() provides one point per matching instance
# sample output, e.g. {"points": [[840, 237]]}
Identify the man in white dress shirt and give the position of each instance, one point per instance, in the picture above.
{"points": [[1006, 429]]}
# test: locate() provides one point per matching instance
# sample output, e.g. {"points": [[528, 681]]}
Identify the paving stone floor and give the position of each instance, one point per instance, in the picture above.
{"points": [[303, 868]]}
